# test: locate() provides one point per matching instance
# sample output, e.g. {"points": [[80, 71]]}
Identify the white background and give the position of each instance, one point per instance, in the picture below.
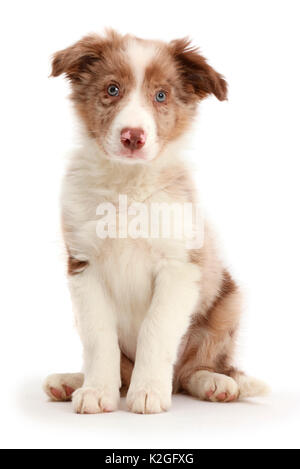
{"points": [[247, 154]]}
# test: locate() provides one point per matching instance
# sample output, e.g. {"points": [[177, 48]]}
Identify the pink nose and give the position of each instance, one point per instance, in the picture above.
{"points": [[133, 139]]}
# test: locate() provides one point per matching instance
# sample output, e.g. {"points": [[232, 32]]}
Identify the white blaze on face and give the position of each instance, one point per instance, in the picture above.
{"points": [[137, 113]]}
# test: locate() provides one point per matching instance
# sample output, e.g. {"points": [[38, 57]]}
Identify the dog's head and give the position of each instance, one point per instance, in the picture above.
{"points": [[135, 96]]}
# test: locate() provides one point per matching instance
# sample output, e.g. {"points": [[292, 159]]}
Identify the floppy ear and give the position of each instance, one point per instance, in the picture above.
{"points": [[198, 76], [76, 61]]}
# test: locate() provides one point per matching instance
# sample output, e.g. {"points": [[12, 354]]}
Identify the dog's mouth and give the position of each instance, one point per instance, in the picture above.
{"points": [[133, 154]]}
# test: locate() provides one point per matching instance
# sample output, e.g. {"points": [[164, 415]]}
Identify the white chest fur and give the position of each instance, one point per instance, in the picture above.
{"points": [[127, 275], [127, 266]]}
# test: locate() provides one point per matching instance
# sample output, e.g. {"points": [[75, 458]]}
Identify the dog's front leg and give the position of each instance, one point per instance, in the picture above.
{"points": [[175, 297], [97, 328]]}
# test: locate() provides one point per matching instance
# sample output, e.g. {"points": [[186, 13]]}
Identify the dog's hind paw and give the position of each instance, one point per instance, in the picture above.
{"points": [[60, 387]]}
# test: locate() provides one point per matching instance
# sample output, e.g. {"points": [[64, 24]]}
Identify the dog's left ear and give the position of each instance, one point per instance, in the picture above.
{"points": [[198, 76]]}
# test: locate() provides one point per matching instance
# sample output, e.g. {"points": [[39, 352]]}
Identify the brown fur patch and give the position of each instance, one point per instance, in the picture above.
{"points": [[172, 118], [92, 64], [210, 339], [197, 74], [126, 372]]}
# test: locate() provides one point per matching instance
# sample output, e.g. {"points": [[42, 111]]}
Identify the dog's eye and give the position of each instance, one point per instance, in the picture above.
{"points": [[161, 97], [113, 90]]}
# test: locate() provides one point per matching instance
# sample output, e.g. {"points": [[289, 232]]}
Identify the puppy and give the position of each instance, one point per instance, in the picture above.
{"points": [[155, 314]]}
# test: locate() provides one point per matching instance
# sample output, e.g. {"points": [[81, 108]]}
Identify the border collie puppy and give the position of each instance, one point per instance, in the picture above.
{"points": [[155, 315]]}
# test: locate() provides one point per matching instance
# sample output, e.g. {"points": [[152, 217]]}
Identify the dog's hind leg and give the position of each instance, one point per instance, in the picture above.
{"points": [[60, 387], [205, 369]]}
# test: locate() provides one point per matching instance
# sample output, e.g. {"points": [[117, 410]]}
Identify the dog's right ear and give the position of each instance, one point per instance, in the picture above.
{"points": [[77, 60]]}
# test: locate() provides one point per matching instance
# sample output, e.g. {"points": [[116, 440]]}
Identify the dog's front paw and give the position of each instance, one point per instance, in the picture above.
{"points": [[87, 400], [148, 399]]}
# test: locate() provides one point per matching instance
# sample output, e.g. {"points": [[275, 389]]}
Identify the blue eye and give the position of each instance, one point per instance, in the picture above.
{"points": [[113, 90], [161, 97]]}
